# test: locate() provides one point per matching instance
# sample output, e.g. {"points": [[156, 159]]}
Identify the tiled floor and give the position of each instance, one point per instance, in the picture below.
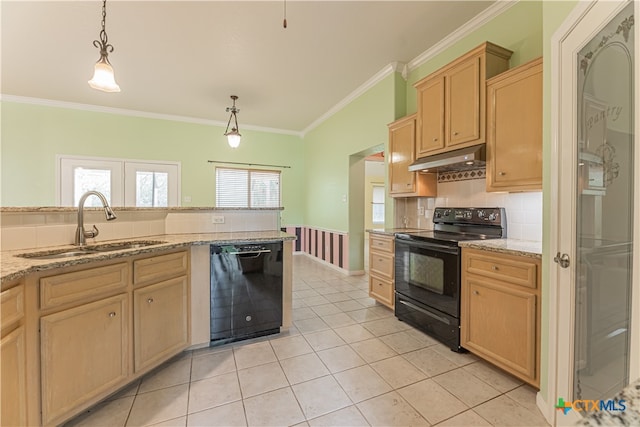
{"points": [[347, 362]]}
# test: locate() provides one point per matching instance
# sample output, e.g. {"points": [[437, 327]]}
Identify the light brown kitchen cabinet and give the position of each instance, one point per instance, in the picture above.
{"points": [[160, 321], [84, 353], [402, 182], [514, 120], [500, 311], [382, 269], [13, 357], [451, 101]]}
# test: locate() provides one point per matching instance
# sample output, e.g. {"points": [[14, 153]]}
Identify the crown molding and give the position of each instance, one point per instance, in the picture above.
{"points": [[470, 26], [136, 113]]}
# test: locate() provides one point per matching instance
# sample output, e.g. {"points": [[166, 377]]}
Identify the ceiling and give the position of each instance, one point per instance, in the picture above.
{"points": [[184, 58]]}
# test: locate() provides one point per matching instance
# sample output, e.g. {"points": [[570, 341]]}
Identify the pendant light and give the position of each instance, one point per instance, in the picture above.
{"points": [[103, 78], [233, 136]]}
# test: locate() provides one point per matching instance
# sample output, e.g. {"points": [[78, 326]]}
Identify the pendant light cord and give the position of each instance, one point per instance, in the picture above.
{"points": [[284, 22]]}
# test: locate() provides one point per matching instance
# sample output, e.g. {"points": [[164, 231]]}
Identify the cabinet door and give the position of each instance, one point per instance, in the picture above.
{"points": [[499, 322], [84, 353], [431, 119], [401, 146], [160, 321], [14, 392], [514, 140], [463, 115]]}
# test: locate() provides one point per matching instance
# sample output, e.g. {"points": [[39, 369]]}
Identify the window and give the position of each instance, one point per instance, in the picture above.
{"points": [[123, 182], [247, 188], [377, 204]]}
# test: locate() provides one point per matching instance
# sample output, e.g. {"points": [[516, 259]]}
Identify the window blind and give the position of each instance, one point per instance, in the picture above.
{"points": [[247, 188]]}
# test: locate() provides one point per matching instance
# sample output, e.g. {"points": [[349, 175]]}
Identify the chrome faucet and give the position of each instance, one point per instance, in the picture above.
{"points": [[81, 234]]}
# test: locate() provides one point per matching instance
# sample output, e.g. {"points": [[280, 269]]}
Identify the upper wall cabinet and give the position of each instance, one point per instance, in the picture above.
{"points": [[451, 101], [402, 183], [514, 134]]}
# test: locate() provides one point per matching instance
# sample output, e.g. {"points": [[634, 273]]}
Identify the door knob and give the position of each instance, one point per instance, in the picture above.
{"points": [[563, 260]]}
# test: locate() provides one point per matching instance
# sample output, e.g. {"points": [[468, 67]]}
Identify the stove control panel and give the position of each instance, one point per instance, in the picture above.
{"points": [[490, 216]]}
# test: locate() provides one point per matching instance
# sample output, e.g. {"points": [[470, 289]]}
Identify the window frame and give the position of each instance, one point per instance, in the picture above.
{"points": [[249, 198]]}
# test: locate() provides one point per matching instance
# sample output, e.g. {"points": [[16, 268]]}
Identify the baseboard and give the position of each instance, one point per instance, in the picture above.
{"points": [[547, 412]]}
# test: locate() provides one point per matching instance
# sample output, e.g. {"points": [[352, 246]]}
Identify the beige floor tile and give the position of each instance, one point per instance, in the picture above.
{"points": [[338, 320], [373, 350], [261, 379], [303, 368], [525, 395], [298, 303], [468, 388], [422, 337], [325, 309], [459, 359], [303, 313], [290, 346], [346, 417], [251, 355], [385, 326], [349, 305], [430, 362], [432, 401], [402, 342], [302, 424], [311, 325], [230, 415], [362, 383], [367, 302], [383, 311], [212, 392], [340, 358], [390, 410], [305, 294], [276, 408], [170, 374], [353, 333], [338, 297], [504, 411], [493, 376], [210, 365], [358, 294], [111, 413], [176, 422], [129, 390], [364, 315], [159, 405], [313, 301], [320, 396], [323, 340], [465, 419], [398, 372]]}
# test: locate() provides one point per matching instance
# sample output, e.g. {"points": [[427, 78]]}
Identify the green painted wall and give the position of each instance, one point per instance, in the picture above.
{"points": [[33, 135], [518, 29]]}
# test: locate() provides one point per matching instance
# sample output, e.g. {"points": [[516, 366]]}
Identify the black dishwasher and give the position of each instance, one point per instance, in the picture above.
{"points": [[246, 290]]}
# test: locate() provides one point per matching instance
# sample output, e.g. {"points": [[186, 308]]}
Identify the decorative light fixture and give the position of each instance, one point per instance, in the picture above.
{"points": [[233, 136], [103, 78]]}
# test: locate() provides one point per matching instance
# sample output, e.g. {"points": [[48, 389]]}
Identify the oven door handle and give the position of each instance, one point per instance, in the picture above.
{"points": [[434, 246], [428, 313]]}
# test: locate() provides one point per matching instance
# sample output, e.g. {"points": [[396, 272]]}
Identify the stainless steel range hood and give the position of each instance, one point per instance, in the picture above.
{"points": [[461, 159]]}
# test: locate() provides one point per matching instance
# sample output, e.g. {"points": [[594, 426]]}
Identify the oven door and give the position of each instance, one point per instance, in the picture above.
{"points": [[429, 273]]}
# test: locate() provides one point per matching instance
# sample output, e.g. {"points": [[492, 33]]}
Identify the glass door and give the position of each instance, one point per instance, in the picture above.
{"points": [[604, 209]]}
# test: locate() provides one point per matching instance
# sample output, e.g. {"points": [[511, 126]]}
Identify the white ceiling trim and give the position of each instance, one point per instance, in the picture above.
{"points": [[478, 21], [136, 113]]}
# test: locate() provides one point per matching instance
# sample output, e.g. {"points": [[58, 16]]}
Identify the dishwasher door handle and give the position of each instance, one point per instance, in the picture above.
{"points": [[255, 254]]}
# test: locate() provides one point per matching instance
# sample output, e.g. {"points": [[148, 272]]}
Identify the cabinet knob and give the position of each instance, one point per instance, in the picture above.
{"points": [[476, 293], [502, 173], [455, 133], [435, 139], [495, 268], [150, 300], [112, 314]]}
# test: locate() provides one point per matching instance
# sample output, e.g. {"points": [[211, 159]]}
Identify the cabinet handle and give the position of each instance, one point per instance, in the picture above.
{"points": [[150, 300], [476, 293], [112, 314], [495, 268]]}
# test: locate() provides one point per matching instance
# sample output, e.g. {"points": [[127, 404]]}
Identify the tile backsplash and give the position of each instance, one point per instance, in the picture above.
{"points": [[524, 210]]}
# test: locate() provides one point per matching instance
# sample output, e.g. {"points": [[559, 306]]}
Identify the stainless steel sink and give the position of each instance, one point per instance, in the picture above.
{"points": [[88, 250]]}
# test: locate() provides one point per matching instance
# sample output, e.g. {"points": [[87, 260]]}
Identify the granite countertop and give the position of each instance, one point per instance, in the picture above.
{"points": [[13, 267], [527, 248], [629, 417]]}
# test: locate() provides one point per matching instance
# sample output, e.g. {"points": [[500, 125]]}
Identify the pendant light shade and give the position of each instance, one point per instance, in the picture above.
{"points": [[233, 136], [103, 78]]}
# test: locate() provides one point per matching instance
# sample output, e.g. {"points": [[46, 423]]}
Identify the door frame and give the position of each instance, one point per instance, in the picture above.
{"points": [[590, 16]]}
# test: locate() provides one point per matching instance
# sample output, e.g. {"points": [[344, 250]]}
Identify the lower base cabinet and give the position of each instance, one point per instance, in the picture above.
{"points": [[14, 394], [83, 354], [160, 328], [381, 269]]}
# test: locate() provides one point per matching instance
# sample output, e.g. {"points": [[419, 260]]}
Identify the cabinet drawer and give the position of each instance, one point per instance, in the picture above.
{"points": [[160, 267], [381, 264], [381, 290], [12, 305], [509, 269], [381, 243], [84, 284]]}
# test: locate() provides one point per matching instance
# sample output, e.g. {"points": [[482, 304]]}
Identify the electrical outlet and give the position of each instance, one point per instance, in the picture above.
{"points": [[217, 219], [420, 210]]}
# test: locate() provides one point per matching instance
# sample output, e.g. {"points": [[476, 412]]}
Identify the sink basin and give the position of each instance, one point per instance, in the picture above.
{"points": [[93, 249]]}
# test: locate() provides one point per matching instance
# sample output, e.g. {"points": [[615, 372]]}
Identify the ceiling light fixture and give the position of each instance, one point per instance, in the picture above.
{"points": [[234, 136], [103, 78]]}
